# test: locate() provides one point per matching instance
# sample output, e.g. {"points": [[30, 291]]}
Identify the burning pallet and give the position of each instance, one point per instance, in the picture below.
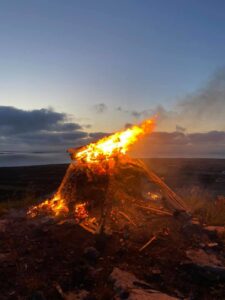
{"points": [[104, 188]]}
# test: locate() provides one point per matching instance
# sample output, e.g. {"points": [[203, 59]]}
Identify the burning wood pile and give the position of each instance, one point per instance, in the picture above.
{"points": [[105, 190]]}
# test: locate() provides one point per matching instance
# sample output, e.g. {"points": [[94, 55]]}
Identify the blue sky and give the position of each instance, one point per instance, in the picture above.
{"points": [[71, 55], [139, 56]]}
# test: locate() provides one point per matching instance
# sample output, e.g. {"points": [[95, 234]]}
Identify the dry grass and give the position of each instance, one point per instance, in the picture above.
{"points": [[203, 206]]}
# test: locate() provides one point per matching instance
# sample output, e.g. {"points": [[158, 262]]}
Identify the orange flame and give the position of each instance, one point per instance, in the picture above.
{"points": [[103, 150], [113, 145], [55, 206]]}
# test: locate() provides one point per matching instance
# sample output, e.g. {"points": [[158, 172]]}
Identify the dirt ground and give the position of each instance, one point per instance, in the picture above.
{"points": [[40, 255], [45, 258]]}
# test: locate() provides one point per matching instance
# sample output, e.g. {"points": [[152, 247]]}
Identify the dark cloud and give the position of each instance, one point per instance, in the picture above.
{"points": [[88, 126], [100, 108], [51, 138], [39, 129], [14, 121], [98, 135], [180, 128]]}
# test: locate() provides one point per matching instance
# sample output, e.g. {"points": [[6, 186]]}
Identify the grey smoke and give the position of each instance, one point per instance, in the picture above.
{"points": [[100, 108], [202, 110]]}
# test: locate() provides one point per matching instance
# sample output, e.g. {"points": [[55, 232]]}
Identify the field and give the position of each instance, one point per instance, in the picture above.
{"points": [[45, 258]]}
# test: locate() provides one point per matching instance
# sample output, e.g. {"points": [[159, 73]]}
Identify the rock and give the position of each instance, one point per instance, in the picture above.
{"points": [[79, 295], [220, 230], [212, 245], [5, 257], [128, 286], [72, 295], [67, 221], [204, 267], [202, 258], [37, 295], [204, 275], [3, 225], [156, 271], [91, 253], [138, 294], [195, 221]]}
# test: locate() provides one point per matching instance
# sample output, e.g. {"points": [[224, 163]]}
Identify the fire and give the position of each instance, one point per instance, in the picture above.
{"points": [[113, 145], [80, 212], [55, 206], [99, 154]]}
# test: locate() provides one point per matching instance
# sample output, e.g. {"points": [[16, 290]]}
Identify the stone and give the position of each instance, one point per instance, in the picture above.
{"points": [[91, 253], [128, 286], [220, 230], [38, 295], [202, 258], [204, 267], [79, 295], [3, 225]]}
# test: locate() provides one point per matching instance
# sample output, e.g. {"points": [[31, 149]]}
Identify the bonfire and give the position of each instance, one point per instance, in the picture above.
{"points": [[104, 189]]}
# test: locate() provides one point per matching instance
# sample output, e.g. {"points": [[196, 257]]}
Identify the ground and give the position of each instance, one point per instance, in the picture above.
{"points": [[39, 255], [45, 258]]}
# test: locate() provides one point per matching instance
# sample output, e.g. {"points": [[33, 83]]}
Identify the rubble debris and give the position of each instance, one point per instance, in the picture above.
{"points": [[72, 295], [3, 224], [5, 257], [38, 295], [155, 210], [206, 266], [220, 230], [202, 258], [148, 243], [127, 218], [91, 253], [212, 245], [127, 285]]}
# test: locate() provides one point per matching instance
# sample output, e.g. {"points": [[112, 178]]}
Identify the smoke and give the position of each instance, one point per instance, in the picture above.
{"points": [[205, 109], [200, 111], [100, 108]]}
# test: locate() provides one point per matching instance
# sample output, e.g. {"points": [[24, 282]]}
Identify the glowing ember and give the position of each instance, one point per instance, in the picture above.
{"points": [[80, 212], [113, 145], [154, 196], [56, 206]]}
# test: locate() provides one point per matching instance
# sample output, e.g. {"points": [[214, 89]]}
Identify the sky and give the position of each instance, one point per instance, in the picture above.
{"points": [[74, 70]]}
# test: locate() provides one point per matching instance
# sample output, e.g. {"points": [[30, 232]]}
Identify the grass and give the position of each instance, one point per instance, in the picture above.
{"points": [[203, 206]]}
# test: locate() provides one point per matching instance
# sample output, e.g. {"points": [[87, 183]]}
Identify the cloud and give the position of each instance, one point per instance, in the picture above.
{"points": [[180, 128], [40, 129], [98, 135], [15, 121], [100, 108]]}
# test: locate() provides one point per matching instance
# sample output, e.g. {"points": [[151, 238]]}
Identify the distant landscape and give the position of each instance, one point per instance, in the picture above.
{"points": [[184, 175]]}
